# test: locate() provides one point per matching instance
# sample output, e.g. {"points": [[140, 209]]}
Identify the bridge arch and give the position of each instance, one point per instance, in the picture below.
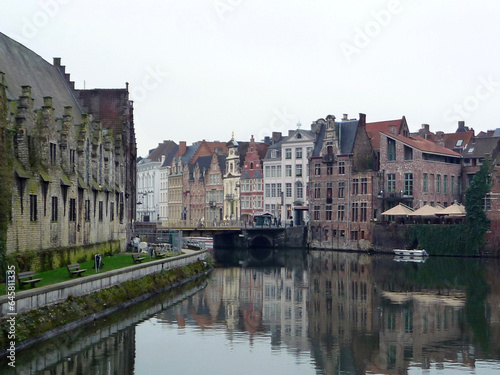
{"points": [[261, 241]]}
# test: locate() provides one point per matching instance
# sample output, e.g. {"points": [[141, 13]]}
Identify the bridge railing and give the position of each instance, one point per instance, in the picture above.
{"points": [[193, 224]]}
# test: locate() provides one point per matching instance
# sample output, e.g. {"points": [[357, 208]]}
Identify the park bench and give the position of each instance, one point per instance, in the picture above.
{"points": [[74, 269], [160, 254], [27, 278], [138, 258]]}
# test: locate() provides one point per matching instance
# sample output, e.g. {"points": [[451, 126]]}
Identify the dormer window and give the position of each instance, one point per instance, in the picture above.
{"points": [[299, 136], [459, 143], [273, 154]]}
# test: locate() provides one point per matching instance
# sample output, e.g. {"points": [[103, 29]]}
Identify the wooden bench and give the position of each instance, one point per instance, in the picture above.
{"points": [[74, 269], [138, 258], [160, 254], [27, 278]]}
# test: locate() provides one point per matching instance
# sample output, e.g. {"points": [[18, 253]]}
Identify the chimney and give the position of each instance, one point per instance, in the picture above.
{"points": [[57, 61], [182, 148], [276, 137], [424, 131], [439, 139], [461, 126], [345, 117]]}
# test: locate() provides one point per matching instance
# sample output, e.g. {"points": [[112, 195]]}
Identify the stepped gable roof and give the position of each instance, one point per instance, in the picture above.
{"points": [[242, 151], [261, 149], [190, 152], [374, 128], [423, 144], [479, 147], [347, 135], [23, 67], [204, 162]]}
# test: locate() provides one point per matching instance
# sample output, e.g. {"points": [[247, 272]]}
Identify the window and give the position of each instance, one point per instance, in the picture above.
{"points": [[267, 171], [288, 153], [355, 186], [408, 153], [101, 206], [316, 212], [288, 189], [298, 170], [288, 171], [391, 149], [329, 192], [354, 237], [55, 209], [33, 207], [452, 185], [445, 184], [278, 171], [364, 212], [391, 182], [112, 211], [341, 167], [87, 210], [424, 183], [299, 190], [340, 212], [273, 171], [328, 213], [274, 154], [408, 190], [72, 209], [298, 153], [355, 211], [317, 169], [364, 186], [53, 154], [268, 190], [273, 190], [317, 190], [72, 159], [329, 170], [459, 143], [438, 184], [487, 202], [341, 189]]}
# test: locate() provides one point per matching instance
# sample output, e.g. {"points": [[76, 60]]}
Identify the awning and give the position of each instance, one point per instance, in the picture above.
{"points": [[454, 210], [426, 210], [399, 210]]}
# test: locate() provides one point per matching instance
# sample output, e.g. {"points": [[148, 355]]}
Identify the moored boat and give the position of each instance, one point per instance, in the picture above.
{"points": [[411, 253]]}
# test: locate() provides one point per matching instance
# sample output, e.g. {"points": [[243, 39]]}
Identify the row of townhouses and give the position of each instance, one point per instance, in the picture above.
{"points": [[338, 177]]}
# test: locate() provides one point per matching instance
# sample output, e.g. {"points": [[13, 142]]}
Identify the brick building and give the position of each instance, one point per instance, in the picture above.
{"points": [[252, 181], [72, 156], [341, 185]]}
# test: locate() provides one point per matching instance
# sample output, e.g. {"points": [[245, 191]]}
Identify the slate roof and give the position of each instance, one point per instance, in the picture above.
{"points": [[190, 152], [164, 148], [478, 147], [204, 162], [319, 142], [423, 145], [222, 163], [24, 67], [347, 135]]}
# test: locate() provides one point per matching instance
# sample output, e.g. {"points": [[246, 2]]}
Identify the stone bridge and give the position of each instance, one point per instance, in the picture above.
{"points": [[290, 237]]}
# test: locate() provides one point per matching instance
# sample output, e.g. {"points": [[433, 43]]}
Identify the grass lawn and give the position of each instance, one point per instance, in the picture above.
{"points": [[61, 274]]}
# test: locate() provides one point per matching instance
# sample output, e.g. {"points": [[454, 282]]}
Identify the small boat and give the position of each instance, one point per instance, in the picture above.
{"points": [[411, 253], [414, 259]]}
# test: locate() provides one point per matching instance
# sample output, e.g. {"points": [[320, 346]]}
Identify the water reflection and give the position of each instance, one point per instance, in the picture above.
{"points": [[299, 312]]}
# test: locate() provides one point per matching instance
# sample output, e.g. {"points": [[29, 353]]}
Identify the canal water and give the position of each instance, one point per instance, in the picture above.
{"points": [[298, 312]]}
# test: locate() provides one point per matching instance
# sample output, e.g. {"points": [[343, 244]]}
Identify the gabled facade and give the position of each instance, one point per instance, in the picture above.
{"points": [[214, 190], [252, 181], [231, 180], [342, 185]]}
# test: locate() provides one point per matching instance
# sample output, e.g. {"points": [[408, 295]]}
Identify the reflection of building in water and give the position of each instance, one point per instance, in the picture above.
{"points": [[341, 308], [412, 325], [493, 305], [103, 352], [285, 306]]}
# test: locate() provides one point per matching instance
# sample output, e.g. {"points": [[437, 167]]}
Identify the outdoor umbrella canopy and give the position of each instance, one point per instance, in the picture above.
{"points": [[454, 210], [426, 210], [399, 210]]}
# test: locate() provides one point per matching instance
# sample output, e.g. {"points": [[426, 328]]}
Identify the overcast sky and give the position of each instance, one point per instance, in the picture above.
{"points": [[201, 69]]}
